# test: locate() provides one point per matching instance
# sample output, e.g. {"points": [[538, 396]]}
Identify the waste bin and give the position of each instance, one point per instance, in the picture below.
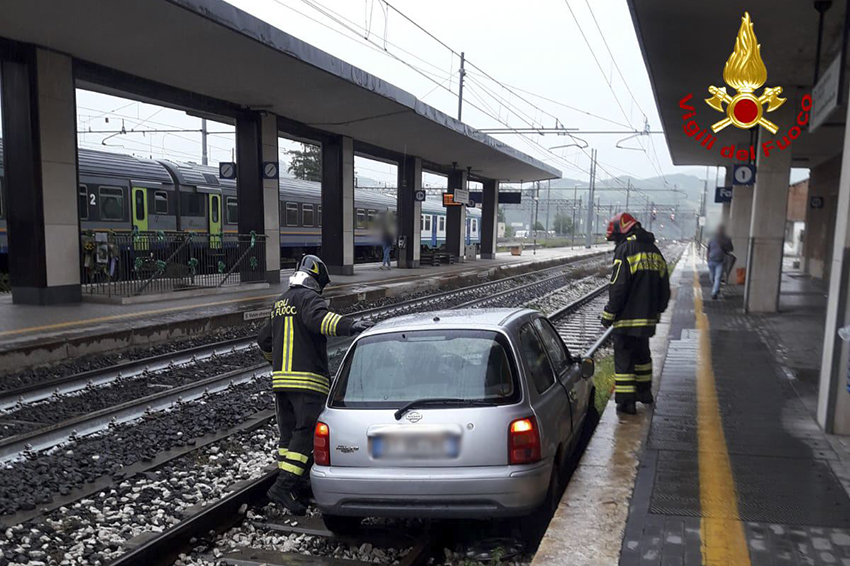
{"points": [[516, 250]]}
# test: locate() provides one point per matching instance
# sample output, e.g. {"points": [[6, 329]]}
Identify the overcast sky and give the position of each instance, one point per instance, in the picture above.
{"points": [[544, 71]]}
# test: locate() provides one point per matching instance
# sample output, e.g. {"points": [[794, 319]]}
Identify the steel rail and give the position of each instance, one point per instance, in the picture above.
{"points": [[41, 439]]}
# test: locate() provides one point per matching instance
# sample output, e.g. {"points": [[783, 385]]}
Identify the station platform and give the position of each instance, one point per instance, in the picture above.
{"points": [[729, 467], [34, 335]]}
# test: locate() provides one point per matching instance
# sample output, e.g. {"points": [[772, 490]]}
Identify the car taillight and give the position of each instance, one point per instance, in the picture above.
{"points": [[322, 445], [523, 441]]}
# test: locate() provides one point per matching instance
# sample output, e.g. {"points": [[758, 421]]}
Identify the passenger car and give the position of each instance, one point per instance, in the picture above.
{"points": [[454, 414]]}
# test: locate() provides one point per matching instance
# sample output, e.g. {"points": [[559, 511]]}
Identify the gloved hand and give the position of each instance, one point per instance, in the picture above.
{"points": [[361, 326], [606, 323]]}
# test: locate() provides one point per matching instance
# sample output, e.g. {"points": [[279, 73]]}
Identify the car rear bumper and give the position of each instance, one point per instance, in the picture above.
{"points": [[472, 493]]}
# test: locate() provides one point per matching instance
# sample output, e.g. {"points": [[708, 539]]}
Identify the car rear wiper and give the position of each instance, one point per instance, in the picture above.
{"points": [[441, 401]]}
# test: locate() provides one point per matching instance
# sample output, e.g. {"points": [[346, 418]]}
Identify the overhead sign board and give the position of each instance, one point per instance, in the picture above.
{"points": [[461, 196], [723, 194], [825, 95], [744, 174], [448, 200], [227, 170], [507, 197]]}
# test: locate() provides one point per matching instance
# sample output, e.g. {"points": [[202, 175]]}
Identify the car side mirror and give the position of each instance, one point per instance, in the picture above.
{"points": [[588, 367]]}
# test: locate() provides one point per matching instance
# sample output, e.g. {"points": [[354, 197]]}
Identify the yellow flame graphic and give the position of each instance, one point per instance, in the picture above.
{"points": [[745, 71]]}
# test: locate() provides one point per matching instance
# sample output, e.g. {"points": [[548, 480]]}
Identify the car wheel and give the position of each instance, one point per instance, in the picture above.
{"points": [[591, 419], [533, 527], [340, 525]]}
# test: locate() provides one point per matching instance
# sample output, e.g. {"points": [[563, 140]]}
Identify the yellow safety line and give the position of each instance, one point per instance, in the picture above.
{"points": [[722, 531]]}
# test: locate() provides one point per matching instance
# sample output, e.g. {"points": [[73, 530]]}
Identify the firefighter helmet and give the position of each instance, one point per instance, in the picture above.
{"points": [[620, 225], [316, 268]]}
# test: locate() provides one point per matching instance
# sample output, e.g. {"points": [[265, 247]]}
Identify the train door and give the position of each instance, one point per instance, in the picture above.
{"points": [[468, 232], [215, 221], [139, 209], [434, 232]]}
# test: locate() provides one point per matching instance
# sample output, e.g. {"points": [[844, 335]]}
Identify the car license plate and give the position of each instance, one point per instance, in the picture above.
{"points": [[417, 447]]}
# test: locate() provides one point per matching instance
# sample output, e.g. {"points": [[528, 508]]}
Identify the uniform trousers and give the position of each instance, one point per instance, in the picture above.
{"points": [[632, 366]]}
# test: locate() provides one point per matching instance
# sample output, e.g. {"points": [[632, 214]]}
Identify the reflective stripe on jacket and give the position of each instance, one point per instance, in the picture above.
{"points": [[640, 285], [294, 340]]}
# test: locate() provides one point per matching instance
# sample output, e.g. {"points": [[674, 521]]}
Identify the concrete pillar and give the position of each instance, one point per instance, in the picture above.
{"points": [[40, 144], [338, 205], [767, 231], [740, 214], [489, 219], [409, 211], [726, 207], [456, 218], [271, 199], [834, 393], [820, 222], [250, 191]]}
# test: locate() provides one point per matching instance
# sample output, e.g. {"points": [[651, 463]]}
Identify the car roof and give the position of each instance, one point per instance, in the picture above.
{"points": [[463, 318]]}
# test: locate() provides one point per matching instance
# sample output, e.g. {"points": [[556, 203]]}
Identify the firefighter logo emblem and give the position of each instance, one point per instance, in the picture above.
{"points": [[745, 72]]}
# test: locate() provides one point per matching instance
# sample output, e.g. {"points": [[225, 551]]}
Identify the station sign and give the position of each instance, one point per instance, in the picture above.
{"points": [[744, 174], [461, 196], [419, 196], [227, 170], [825, 94], [256, 315], [507, 197], [723, 194]]}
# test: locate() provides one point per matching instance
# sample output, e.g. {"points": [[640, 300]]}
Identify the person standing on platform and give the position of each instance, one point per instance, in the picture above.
{"points": [[386, 240], [719, 250], [638, 293], [294, 341]]}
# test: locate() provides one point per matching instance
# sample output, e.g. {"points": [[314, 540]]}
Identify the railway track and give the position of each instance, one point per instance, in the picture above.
{"points": [[218, 515], [225, 513]]}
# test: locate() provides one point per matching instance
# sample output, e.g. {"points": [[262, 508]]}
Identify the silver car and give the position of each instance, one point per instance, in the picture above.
{"points": [[455, 414]]}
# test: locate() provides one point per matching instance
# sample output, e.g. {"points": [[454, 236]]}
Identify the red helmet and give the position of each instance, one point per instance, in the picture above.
{"points": [[620, 224]]}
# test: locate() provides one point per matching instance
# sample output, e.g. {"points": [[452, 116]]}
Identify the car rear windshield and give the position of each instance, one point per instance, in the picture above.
{"points": [[389, 370]]}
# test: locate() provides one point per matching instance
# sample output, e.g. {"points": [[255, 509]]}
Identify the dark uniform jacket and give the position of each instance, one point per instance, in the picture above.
{"points": [[640, 285], [294, 339]]}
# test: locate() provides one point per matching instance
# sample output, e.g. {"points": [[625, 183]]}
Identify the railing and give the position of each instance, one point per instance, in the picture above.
{"points": [[134, 263]]}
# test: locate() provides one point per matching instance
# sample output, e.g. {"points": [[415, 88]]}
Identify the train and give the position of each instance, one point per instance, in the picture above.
{"points": [[118, 192]]}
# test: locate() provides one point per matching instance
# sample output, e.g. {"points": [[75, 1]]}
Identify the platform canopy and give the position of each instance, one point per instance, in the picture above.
{"points": [[686, 44], [211, 48]]}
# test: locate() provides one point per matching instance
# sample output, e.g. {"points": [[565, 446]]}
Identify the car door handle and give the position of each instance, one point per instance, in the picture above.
{"points": [[572, 395]]}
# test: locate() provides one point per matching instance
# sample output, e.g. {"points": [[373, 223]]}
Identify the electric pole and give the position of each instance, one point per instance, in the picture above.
{"points": [[573, 222], [204, 159], [548, 204], [536, 209], [628, 191], [462, 73], [589, 227]]}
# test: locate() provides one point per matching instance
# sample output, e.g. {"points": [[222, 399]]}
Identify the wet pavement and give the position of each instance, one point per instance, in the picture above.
{"points": [[730, 467]]}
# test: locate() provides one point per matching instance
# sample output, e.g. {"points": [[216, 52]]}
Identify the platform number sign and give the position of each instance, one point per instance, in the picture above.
{"points": [[419, 196], [744, 174], [270, 170], [227, 170]]}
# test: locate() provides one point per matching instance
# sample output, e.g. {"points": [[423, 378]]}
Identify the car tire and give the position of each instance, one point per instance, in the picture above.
{"points": [[533, 527], [591, 419], [341, 525]]}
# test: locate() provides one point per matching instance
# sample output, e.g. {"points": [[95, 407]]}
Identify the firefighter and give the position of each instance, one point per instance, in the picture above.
{"points": [[294, 341], [637, 295]]}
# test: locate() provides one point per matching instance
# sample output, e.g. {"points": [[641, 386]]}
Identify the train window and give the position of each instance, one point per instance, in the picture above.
{"points": [[441, 224], [307, 214], [140, 204], [361, 219], [427, 224], [111, 203], [370, 215], [82, 202], [160, 202], [474, 225], [216, 209], [292, 214], [319, 215], [232, 214], [192, 204]]}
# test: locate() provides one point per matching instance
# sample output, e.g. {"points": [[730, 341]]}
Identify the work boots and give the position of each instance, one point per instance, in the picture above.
{"points": [[627, 407], [645, 397], [283, 492]]}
